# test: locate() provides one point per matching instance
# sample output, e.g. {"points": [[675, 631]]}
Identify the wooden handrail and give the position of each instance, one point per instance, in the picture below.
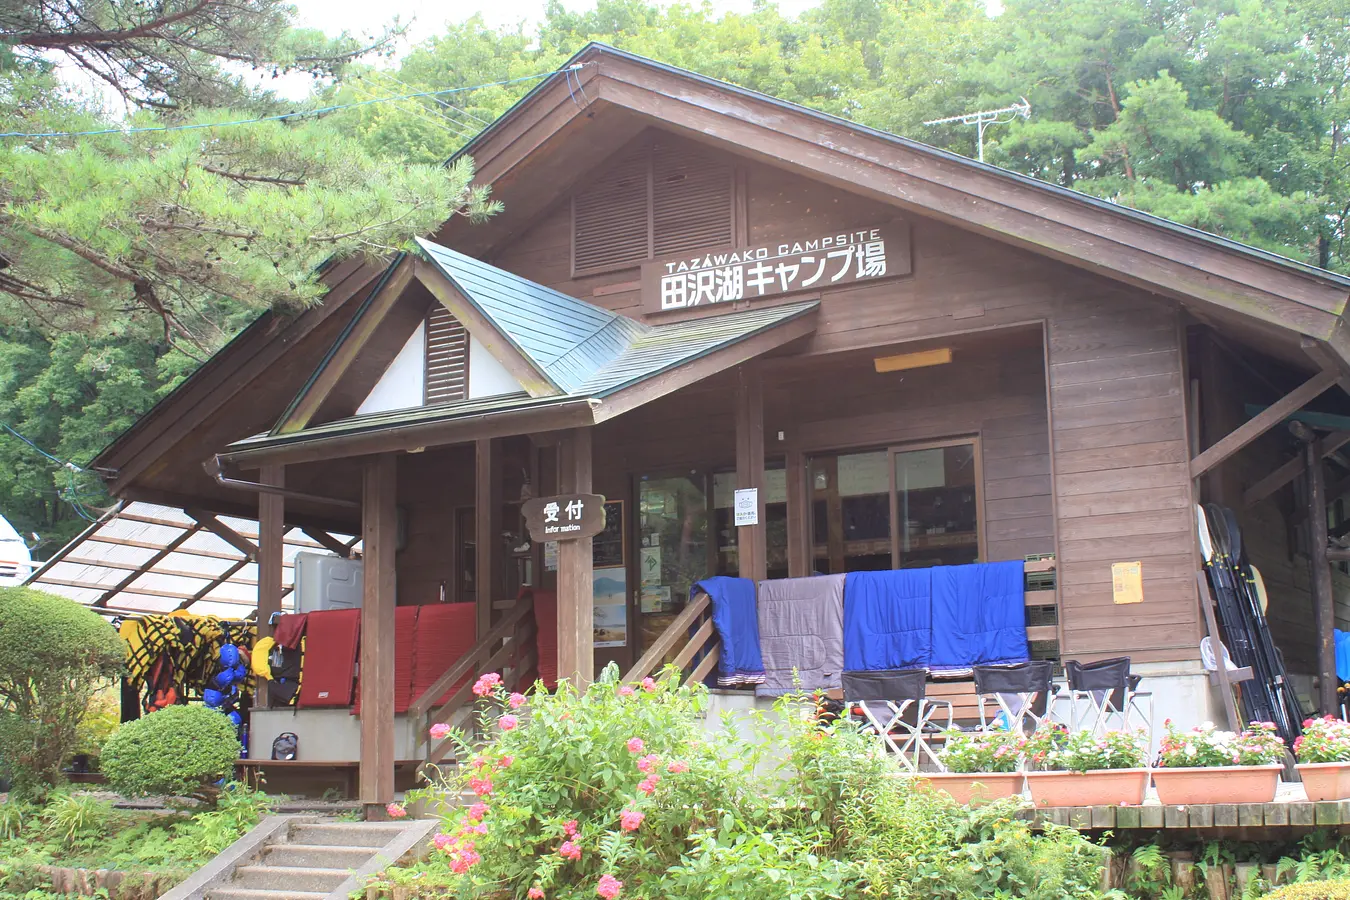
{"points": [[666, 642], [470, 660]]}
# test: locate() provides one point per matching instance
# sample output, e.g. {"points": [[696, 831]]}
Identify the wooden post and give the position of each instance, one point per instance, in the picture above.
{"points": [[271, 556], [379, 532], [487, 527], [798, 516], [576, 588], [1324, 601], [751, 543]]}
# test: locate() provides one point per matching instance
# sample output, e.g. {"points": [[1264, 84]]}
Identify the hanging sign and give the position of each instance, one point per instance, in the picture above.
{"points": [[1127, 582], [565, 517], [812, 262], [746, 505]]}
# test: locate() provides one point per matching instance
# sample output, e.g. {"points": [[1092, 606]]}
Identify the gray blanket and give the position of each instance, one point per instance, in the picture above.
{"points": [[801, 628]]}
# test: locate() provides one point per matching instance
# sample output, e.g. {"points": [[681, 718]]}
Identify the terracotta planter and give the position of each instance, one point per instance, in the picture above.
{"points": [[976, 787], [1325, 781], [1217, 784], [1099, 787]]}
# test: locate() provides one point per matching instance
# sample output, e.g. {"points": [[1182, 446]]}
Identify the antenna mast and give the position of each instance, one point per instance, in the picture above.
{"points": [[983, 119]]}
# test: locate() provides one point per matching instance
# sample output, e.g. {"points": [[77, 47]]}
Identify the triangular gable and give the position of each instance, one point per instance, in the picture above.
{"points": [[403, 384], [608, 96]]}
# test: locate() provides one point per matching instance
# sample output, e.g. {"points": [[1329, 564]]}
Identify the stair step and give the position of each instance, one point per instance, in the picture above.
{"points": [[346, 834], [233, 893], [287, 878], [317, 856]]}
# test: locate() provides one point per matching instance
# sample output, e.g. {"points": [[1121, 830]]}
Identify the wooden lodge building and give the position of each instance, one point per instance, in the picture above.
{"points": [[693, 288]]}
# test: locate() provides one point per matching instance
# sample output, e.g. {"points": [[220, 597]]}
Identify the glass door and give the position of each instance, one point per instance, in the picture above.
{"points": [[851, 512], [673, 552], [936, 505]]}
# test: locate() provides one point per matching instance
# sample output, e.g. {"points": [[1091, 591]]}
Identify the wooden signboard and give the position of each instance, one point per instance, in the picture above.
{"points": [[812, 262], [564, 517]]}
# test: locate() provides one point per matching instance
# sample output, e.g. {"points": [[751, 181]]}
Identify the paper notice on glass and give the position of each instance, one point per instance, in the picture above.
{"points": [[1127, 582], [747, 506], [656, 598], [550, 556], [650, 562]]}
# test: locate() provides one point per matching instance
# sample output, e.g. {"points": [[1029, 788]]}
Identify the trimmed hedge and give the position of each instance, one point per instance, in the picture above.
{"points": [[1313, 890], [176, 750]]}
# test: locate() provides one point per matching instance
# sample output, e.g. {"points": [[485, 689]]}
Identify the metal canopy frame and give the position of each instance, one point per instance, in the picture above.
{"points": [[142, 558]]}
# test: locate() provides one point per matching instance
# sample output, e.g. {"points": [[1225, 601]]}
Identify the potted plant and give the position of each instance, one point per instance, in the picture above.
{"points": [[1082, 768], [980, 766], [1204, 765], [1323, 752]]}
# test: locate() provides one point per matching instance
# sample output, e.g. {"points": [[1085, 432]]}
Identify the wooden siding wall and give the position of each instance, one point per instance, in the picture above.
{"points": [[431, 486], [1120, 482]]}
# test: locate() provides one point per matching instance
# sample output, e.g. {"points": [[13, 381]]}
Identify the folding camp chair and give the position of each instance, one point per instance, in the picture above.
{"points": [[892, 703], [1022, 694], [1103, 691]]}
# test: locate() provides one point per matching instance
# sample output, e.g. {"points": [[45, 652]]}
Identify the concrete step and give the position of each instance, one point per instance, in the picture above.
{"points": [[317, 856], [287, 878], [346, 834], [233, 893]]}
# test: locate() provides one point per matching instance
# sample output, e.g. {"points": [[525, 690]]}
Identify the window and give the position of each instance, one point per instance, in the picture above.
{"points": [[726, 559], [447, 357], [666, 197]]}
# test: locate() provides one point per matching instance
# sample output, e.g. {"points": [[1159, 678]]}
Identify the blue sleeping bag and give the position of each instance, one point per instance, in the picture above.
{"points": [[888, 620], [979, 615]]}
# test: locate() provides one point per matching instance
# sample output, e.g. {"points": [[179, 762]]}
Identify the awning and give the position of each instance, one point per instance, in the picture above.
{"points": [[143, 558]]}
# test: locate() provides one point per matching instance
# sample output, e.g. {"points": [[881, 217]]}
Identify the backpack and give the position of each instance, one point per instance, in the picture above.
{"points": [[285, 746]]}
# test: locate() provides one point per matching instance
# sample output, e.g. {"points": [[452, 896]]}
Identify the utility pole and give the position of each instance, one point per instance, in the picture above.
{"points": [[983, 119]]}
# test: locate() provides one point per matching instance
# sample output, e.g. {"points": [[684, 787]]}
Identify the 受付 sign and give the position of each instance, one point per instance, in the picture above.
{"points": [[812, 263], [564, 518]]}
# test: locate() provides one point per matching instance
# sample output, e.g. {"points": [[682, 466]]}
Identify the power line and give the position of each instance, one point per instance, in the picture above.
{"points": [[301, 114], [72, 493]]}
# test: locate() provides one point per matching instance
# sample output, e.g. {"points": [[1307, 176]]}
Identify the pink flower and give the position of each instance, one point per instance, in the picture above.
{"points": [[635, 745], [609, 887], [570, 851], [467, 830], [677, 767], [395, 811], [485, 684], [478, 810], [630, 819], [648, 763], [439, 731], [625, 690], [481, 786], [648, 784], [516, 701], [508, 722], [535, 893], [649, 684], [505, 762], [478, 762], [570, 828], [442, 841]]}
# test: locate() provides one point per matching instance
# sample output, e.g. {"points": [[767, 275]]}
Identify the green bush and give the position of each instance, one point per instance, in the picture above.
{"points": [[176, 750], [54, 656], [1313, 890]]}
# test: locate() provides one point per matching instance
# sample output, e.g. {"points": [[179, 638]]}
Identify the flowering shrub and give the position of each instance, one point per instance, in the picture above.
{"points": [[629, 794], [1324, 740], [1204, 746], [981, 751], [1054, 747]]}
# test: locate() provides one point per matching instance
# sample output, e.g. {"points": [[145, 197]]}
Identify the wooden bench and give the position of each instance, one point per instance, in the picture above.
{"points": [[250, 771]]}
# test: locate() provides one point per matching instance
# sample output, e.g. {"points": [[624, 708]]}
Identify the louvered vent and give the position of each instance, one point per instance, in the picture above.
{"points": [[665, 198], [691, 201], [610, 221], [447, 357]]}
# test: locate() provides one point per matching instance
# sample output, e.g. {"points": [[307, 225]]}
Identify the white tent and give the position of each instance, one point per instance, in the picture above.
{"points": [[15, 561]]}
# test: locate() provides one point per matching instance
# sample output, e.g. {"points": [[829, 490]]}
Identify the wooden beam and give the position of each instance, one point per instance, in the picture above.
{"points": [[487, 498], [535, 381], [1258, 425], [1328, 361], [271, 556], [1323, 593], [349, 344], [260, 696], [224, 532], [576, 580], [1291, 470], [379, 532], [146, 566], [798, 515], [751, 543], [330, 543]]}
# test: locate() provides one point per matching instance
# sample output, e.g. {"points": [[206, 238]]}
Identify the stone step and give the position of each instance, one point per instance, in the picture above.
{"points": [[346, 834], [234, 893], [287, 878], [317, 856]]}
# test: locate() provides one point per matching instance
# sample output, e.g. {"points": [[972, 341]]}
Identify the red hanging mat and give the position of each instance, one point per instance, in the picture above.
{"points": [[405, 625], [546, 634], [331, 640], [445, 632]]}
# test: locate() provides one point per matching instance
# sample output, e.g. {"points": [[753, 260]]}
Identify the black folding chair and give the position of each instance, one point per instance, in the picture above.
{"points": [[893, 703], [1105, 690], [1022, 693]]}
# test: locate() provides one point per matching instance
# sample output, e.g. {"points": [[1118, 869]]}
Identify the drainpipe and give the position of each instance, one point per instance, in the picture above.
{"points": [[216, 469]]}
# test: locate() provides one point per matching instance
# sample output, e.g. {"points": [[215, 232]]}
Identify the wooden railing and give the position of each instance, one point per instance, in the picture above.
{"points": [[509, 648], [704, 637], [1040, 599]]}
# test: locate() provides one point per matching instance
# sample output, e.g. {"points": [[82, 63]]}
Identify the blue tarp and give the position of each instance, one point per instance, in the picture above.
{"points": [[737, 624], [888, 619], [1342, 655], [979, 615]]}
